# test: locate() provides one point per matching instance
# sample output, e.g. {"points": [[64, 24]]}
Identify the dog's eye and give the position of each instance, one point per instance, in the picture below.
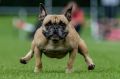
{"points": [[62, 27], [62, 24], [48, 24], [48, 27]]}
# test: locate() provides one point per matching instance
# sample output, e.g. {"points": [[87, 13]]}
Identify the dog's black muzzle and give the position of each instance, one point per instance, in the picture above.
{"points": [[55, 33]]}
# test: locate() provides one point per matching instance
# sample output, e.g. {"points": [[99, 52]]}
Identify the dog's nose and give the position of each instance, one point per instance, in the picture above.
{"points": [[55, 30]]}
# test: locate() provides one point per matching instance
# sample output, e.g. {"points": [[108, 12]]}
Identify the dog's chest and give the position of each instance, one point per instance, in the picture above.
{"points": [[56, 51]]}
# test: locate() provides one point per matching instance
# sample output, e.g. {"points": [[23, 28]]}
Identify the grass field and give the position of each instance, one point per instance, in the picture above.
{"points": [[106, 56]]}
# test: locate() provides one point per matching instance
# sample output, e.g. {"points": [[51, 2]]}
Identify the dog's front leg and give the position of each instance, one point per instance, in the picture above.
{"points": [[27, 57], [70, 63], [38, 62]]}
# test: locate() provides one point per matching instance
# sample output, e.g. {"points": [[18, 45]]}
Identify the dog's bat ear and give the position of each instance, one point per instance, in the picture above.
{"points": [[68, 13], [43, 12]]}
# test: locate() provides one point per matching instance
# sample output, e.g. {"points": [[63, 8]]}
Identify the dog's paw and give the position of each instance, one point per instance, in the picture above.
{"points": [[69, 70], [91, 67], [37, 70], [23, 61]]}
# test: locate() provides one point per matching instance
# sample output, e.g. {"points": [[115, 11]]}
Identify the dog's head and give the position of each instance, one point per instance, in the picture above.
{"points": [[55, 27]]}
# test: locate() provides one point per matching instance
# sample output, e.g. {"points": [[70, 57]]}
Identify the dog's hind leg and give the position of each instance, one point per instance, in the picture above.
{"points": [[82, 49], [28, 56]]}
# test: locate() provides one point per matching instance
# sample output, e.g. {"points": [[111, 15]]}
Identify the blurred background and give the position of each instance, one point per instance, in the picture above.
{"points": [[98, 24], [101, 16]]}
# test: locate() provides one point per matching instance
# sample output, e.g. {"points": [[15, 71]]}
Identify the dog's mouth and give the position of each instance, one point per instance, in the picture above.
{"points": [[55, 38]]}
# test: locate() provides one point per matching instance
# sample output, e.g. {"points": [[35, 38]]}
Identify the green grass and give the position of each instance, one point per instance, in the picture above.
{"points": [[106, 56]]}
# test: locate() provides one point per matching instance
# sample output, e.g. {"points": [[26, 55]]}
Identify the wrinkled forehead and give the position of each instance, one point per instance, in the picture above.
{"points": [[55, 19]]}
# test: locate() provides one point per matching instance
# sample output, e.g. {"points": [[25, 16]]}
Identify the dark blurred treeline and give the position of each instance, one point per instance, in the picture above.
{"points": [[33, 3]]}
